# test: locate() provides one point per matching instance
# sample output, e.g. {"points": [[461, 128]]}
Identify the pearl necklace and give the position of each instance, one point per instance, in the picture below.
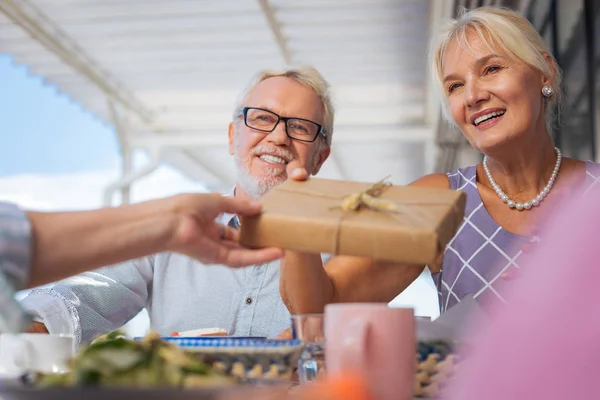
{"points": [[537, 199]]}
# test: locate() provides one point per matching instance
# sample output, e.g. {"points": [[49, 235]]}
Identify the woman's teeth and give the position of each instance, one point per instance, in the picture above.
{"points": [[488, 116]]}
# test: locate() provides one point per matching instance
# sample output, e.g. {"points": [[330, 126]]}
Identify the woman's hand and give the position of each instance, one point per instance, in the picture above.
{"points": [[198, 235]]}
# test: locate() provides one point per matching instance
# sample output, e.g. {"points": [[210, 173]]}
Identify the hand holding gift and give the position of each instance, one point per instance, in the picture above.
{"points": [[381, 221]]}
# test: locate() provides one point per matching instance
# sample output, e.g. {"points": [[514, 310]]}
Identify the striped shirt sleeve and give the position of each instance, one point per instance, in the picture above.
{"points": [[15, 264]]}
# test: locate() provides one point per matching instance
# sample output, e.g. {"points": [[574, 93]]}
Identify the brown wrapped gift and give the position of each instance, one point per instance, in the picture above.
{"points": [[414, 227]]}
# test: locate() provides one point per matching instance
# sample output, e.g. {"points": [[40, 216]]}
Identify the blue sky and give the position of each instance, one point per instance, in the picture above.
{"points": [[54, 155], [43, 131]]}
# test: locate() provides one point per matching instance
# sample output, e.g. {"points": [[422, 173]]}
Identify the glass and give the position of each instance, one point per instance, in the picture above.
{"points": [[310, 329], [296, 128]]}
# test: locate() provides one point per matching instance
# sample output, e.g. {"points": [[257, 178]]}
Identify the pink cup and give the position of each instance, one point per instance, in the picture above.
{"points": [[376, 341]]}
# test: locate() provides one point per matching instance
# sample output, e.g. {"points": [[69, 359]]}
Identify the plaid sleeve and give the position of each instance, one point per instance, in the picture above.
{"points": [[15, 244], [15, 263]]}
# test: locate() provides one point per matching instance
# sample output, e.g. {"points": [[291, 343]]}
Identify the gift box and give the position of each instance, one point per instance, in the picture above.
{"points": [[406, 224]]}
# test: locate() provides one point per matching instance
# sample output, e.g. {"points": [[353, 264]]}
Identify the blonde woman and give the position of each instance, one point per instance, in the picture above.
{"points": [[500, 85]]}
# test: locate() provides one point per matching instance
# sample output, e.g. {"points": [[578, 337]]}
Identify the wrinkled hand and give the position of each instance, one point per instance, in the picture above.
{"points": [[198, 235]]}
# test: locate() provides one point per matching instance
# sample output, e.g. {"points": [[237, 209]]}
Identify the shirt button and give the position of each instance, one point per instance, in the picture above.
{"points": [[248, 300]]}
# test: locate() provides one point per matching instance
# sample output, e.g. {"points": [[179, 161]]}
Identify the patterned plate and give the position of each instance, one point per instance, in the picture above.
{"points": [[244, 357], [247, 344]]}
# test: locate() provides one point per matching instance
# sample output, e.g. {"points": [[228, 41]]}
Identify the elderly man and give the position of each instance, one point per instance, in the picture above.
{"points": [[283, 121]]}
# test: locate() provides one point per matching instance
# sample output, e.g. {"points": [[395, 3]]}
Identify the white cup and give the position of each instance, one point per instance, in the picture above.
{"points": [[37, 352]]}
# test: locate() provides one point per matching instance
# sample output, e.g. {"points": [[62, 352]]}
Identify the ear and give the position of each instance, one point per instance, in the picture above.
{"points": [[323, 155], [550, 80], [231, 138]]}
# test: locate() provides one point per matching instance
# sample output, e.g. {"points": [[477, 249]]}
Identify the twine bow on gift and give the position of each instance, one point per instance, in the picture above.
{"points": [[369, 199]]}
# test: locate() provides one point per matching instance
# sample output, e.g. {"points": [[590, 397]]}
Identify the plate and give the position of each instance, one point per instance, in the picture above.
{"points": [[218, 343], [245, 358]]}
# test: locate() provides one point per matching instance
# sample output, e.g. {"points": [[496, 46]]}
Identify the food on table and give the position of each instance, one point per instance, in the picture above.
{"points": [[114, 361], [436, 364]]}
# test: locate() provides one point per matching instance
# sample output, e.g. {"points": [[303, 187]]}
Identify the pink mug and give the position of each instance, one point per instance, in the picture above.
{"points": [[376, 341]]}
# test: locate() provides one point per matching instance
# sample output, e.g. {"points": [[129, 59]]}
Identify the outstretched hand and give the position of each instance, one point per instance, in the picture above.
{"points": [[198, 235]]}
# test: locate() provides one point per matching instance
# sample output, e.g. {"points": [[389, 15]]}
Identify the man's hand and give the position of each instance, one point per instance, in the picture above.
{"points": [[296, 172], [198, 235]]}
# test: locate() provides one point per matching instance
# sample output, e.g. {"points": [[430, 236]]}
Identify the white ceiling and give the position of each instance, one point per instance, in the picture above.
{"points": [[172, 69]]}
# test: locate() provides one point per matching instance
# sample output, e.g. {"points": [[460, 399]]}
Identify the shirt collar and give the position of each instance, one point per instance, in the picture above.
{"points": [[226, 218]]}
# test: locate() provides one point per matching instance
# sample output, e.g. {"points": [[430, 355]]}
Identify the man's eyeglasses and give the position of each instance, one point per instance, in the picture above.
{"points": [[296, 128]]}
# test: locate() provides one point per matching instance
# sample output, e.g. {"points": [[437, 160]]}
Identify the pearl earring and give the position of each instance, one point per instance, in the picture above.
{"points": [[547, 91]]}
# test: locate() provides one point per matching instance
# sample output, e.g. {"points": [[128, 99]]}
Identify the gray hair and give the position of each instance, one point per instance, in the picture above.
{"points": [[308, 76]]}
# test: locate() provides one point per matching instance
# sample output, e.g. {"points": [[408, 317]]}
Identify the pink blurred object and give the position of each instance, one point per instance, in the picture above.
{"points": [[546, 343], [376, 341]]}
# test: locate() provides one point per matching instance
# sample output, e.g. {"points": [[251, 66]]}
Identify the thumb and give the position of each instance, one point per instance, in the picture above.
{"points": [[296, 172], [299, 174]]}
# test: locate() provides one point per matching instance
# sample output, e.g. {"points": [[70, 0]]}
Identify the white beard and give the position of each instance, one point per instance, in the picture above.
{"points": [[256, 187], [253, 186]]}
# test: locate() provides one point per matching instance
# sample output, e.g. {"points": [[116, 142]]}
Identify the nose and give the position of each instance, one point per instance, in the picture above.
{"points": [[474, 94], [278, 136]]}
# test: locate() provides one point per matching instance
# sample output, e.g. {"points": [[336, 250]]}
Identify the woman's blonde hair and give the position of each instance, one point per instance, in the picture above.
{"points": [[306, 75], [498, 29]]}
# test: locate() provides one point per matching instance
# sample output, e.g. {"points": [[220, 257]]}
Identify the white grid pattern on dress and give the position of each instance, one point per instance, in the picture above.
{"points": [[595, 179], [488, 241], [499, 274], [468, 181]]}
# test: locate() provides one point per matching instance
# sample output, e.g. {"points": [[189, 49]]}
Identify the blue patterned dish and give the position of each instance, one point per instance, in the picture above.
{"points": [[245, 357], [231, 342]]}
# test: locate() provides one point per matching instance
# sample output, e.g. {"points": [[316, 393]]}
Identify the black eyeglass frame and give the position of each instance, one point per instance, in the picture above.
{"points": [[320, 130]]}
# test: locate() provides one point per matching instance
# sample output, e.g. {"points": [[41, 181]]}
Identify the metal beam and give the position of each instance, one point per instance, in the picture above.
{"points": [[556, 51], [433, 149], [526, 8], [573, 105], [204, 165], [192, 167], [438, 11], [410, 133], [589, 11], [121, 132], [365, 117], [24, 14], [128, 179], [430, 156], [276, 30]]}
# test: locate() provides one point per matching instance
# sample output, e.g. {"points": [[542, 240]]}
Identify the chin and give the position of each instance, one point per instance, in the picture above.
{"points": [[258, 186], [484, 141], [498, 147]]}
